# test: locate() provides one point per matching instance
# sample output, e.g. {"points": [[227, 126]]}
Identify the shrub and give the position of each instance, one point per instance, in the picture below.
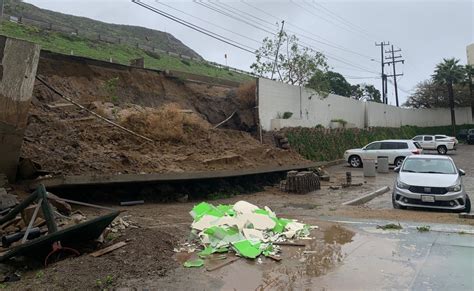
{"points": [[246, 94], [168, 123]]}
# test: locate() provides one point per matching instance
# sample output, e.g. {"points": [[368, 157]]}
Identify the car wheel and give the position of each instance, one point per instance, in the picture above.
{"points": [[467, 208], [355, 161], [396, 205], [398, 161], [442, 150]]}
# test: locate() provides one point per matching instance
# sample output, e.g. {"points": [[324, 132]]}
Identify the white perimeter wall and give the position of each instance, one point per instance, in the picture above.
{"points": [[309, 110]]}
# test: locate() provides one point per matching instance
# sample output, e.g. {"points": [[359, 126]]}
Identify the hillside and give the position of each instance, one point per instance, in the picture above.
{"points": [[118, 53], [128, 34]]}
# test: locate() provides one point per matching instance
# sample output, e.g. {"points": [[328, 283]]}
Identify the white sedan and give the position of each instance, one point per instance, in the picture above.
{"points": [[396, 150]]}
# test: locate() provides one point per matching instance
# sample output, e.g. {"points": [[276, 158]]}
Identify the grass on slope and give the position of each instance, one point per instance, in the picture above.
{"points": [[67, 44]]}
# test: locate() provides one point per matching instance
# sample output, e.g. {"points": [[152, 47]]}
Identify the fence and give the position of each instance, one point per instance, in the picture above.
{"points": [[116, 40], [308, 109]]}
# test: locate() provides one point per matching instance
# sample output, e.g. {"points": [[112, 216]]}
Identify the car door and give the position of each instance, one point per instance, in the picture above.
{"points": [[371, 151], [388, 149], [429, 142]]}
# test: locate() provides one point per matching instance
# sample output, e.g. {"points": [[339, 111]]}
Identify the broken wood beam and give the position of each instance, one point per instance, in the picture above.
{"points": [[108, 249]]}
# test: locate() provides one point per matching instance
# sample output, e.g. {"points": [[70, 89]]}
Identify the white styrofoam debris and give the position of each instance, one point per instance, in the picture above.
{"points": [[244, 207]]}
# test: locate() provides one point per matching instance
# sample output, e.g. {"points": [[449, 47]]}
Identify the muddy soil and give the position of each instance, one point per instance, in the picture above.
{"points": [[88, 82], [70, 142], [166, 225]]}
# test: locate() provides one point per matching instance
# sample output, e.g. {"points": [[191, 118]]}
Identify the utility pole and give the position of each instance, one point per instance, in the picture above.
{"points": [[278, 47], [393, 63], [384, 77]]}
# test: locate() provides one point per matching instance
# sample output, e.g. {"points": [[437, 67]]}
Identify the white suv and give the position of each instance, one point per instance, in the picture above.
{"points": [[396, 150], [440, 143]]}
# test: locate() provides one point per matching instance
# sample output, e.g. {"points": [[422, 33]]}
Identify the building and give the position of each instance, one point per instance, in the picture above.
{"points": [[470, 54]]}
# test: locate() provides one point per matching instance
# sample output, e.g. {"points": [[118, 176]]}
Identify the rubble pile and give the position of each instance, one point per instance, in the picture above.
{"points": [[242, 228]]}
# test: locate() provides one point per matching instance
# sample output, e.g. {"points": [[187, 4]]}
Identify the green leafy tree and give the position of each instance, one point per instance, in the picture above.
{"points": [[448, 73], [429, 94], [331, 82], [295, 64], [365, 92]]}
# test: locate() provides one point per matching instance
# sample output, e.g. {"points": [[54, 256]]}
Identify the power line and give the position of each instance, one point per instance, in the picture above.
{"points": [[325, 42], [309, 46], [195, 27], [203, 20], [394, 62], [232, 16], [321, 17], [342, 19]]}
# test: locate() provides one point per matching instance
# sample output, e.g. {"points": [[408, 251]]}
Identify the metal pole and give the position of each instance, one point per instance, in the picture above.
{"points": [[278, 47], [394, 76]]}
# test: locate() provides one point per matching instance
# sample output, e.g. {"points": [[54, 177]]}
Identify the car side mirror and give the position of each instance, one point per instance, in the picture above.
{"points": [[461, 172], [397, 170]]}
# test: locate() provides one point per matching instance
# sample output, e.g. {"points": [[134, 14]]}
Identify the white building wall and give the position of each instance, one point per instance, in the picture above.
{"points": [[470, 54], [309, 110]]}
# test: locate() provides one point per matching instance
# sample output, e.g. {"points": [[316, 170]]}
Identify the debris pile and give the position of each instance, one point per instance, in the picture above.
{"points": [[300, 182], [243, 228]]}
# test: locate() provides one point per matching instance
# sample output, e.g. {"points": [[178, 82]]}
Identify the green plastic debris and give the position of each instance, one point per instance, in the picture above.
{"points": [[226, 209], [280, 224], [194, 263], [221, 250], [268, 250], [261, 211], [246, 249], [206, 251]]}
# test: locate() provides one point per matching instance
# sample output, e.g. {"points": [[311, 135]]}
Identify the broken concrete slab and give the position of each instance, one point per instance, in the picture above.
{"points": [[366, 198]]}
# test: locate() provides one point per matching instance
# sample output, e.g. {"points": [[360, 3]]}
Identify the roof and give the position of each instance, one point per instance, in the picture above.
{"points": [[438, 157]]}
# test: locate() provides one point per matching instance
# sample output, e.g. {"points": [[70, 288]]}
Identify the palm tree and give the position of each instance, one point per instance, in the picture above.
{"points": [[447, 73], [469, 80]]}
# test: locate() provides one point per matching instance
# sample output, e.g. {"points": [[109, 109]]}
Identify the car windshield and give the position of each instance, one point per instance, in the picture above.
{"points": [[427, 165]]}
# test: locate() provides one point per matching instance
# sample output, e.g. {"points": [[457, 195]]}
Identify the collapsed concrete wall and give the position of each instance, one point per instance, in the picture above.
{"points": [[18, 63], [310, 109]]}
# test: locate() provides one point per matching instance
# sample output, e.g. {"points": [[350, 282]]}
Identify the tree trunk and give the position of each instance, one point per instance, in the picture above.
{"points": [[451, 106]]}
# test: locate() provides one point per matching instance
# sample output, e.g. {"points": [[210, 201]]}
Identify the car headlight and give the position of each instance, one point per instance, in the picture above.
{"points": [[402, 185], [455, 188]]}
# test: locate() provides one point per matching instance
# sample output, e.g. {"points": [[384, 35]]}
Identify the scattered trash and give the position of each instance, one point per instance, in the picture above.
{"points": [[334, 187], [194, 263], [300, 182], [390, 226], [243, 228], [108, 249], [423, 228]]}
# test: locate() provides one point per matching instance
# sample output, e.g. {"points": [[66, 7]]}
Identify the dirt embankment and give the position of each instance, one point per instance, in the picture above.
{"points": [[86, 82], [178, 116]]}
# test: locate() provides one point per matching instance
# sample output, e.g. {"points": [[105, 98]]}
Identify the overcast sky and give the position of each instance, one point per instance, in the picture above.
{"points": [[346, 31]]}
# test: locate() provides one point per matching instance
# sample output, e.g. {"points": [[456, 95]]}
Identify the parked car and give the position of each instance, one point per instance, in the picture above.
{"points": [[444, 137], [462, 134], [470, 136], [430, 181], [429, 142], [395, 150]]}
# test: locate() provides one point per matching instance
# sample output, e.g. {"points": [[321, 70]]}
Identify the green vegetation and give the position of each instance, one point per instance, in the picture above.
{"points": [[106, 282], [118, 53], [423, 228], [317, 145], [390, 226], [111, 88], [128, 34]]}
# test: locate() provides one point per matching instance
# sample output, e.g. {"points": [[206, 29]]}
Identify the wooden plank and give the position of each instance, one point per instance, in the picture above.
{"points": [[290, 244], [231, 260], [108, 249]]}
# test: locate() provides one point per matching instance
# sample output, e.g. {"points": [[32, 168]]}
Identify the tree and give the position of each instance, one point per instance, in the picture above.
{"points": [[428, 94], [295, 64], [448, 73], [330, 82], [469, 81], [365, 92]]}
